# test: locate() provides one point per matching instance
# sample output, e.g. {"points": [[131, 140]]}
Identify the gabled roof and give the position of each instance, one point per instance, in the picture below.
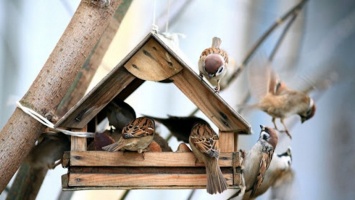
{"points": [[153, 60]]}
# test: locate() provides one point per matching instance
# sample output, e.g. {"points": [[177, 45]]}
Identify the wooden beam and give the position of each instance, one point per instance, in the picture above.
{"points": [[133, 159], [227, 141], [210, 103], [78, 143], [96, 99], [142, 180], [152, 62]]}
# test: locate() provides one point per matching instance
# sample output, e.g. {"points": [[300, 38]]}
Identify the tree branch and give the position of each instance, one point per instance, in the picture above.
{"points": [[21, 131]]}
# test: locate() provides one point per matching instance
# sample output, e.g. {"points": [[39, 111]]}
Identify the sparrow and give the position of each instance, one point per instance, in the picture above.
{"points": [[49, 150], [180, 127], [257, 161], [119, 114], [279, 166], [136, 136], [213, 63], [276, 99], [204, 143]]}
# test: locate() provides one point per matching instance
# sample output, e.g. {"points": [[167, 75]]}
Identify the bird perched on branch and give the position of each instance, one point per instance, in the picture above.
{"points": [[213, 63], [180, 127], [275, 98], [119, 114], [257, 161], [205, 146], [136, 136]]}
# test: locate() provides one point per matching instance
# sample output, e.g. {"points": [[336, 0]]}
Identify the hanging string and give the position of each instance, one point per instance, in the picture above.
{"points": [[49, 124], [155, 27], [168, 17]]}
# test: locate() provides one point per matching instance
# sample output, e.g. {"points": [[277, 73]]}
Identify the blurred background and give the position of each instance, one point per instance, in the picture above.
{"points": [[317, 52]]}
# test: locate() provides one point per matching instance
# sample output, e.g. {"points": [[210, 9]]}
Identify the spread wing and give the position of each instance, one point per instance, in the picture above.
{"points": [[262, 79]]}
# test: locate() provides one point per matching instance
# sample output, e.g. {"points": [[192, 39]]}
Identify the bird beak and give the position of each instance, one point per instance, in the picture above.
{"points": [[262, 127], [211, 75], [303, 120]]}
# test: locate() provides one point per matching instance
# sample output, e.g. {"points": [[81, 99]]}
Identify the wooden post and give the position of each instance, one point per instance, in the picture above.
{"points": [[228, 141], [19, 134], [78, 143]]}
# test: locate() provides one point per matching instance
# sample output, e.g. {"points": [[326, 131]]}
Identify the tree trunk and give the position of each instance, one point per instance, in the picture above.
{"points": [[21, 131]]}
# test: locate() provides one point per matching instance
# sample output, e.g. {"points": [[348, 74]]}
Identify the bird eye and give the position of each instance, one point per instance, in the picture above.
{"points": [[265, 136], [220, 70]]}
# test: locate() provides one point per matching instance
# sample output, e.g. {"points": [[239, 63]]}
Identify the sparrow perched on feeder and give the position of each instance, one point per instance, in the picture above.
{"points": [[213, 63], [257, 161], [279, 166], [276, 99], [204, 144], [180, 127], [48, 151], [136, 136], [119, 114]]}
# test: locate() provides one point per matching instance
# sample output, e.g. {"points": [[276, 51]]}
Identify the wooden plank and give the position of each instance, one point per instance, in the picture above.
{"points": [[141, 180], [153, 63], [78, 143], [144, 170], [227, 141], [108, 88], [151, 159], [210, 103], [97, 99]]}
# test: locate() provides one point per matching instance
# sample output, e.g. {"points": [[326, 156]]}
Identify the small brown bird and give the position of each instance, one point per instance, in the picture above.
{"points": [[276, 99], [136, 136], [213, 63], [180, 127], [204, 143], [279, 166], [119, 114], [48, 151], [257, 161]]}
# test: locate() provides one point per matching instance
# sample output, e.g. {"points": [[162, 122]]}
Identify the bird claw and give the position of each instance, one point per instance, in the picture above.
{"points": [[287, 133]]}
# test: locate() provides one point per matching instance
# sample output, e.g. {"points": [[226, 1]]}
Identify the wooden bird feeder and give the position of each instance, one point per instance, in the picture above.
{"points": [[151, 60]]}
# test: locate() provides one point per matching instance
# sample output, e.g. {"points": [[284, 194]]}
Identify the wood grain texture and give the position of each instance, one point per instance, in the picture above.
{"points": [[119, 82], [210, 103], [133, 159], [227, 141], [153, 63], [141, 180], [78, 143], [96, 99]]}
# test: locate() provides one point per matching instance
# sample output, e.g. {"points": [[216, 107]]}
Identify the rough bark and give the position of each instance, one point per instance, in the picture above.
{"points": [[87, 72], [21, 131]]}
